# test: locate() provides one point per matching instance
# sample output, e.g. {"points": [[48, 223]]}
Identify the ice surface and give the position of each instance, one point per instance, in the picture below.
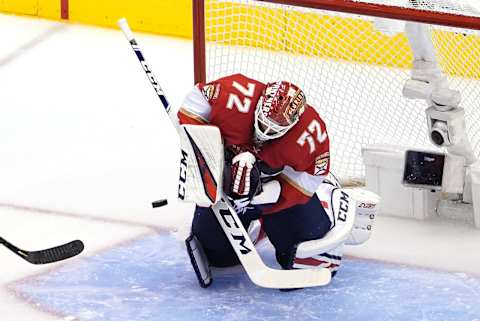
{"points": [[151, 280], [85, 149]]}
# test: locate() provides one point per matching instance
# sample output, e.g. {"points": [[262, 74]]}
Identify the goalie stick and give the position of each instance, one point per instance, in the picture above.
{"points": [[259, 273], [54, 254]]}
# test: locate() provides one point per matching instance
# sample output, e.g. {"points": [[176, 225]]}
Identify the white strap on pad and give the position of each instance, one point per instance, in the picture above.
{"points": [[201, 164]]}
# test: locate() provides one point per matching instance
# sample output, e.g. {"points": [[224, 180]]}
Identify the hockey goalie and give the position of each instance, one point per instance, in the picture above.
{"points": [[270, 150]]}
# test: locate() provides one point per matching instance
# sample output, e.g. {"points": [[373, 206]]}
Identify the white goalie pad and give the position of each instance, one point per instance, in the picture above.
{"points": [[343, 208], [366, 210], [201, 164], [353, 212]]}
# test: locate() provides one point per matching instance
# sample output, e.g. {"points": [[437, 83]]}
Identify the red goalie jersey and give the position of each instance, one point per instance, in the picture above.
{"points": [[302, 152]]}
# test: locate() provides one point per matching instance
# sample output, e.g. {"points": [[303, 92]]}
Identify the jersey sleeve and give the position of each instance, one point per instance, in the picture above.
{"points": [[308, 158], [195, 108], [228, 103], [197, 105]]}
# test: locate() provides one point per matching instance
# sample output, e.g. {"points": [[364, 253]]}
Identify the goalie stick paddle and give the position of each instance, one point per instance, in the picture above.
{"points": [[54, 254], [259, 273]]}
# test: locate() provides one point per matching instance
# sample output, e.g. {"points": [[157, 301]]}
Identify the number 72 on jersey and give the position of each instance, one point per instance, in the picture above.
{"points": [[313, 130]]}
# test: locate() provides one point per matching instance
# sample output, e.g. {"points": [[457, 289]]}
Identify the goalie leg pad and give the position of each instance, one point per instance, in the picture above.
{"points": [[199, 261], [330, 260], [287, 228], [326, 252], [365, 213], [342, 208]]}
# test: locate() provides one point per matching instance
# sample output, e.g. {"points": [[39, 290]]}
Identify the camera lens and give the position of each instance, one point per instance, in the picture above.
{"points": [[437, 138], [439, 133]]}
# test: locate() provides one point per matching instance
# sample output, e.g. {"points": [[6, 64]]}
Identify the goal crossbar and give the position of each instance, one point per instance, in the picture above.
{"points": [[387, 11]]}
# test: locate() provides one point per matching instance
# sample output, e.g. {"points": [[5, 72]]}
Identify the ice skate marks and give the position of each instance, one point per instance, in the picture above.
{"points": [[152, 280]]}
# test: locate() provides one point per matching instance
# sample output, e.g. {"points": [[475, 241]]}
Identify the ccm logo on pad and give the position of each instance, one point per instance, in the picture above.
{"points": [[344, 203]]}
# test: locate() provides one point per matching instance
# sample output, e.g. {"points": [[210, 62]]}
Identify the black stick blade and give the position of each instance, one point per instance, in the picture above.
{"points": [[54, 254]]}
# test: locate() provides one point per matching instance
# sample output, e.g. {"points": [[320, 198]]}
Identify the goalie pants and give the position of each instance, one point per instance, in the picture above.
{"points": [[285, 230]]}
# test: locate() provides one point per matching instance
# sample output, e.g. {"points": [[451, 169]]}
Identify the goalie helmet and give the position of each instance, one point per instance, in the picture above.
{"points": [[278, 109]]}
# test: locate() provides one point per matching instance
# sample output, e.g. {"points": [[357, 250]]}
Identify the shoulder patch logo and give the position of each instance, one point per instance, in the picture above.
{"points": [[321, 164], [211, 91], [208, 91]]}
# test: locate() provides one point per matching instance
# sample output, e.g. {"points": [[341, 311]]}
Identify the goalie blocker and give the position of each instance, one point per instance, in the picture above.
{"points": [[201, 164]]}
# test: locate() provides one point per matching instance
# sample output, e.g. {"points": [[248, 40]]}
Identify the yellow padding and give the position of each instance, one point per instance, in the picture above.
{"points": [[298, 32], [462, 52], [334, 37], [172, 18], [42, 8], [27, 7], [303, 33]]}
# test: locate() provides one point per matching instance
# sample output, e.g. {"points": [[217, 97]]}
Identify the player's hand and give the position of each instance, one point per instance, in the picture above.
{"points": [[242, 165]]}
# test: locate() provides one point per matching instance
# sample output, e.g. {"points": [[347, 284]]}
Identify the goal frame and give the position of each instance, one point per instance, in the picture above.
{"points": [[346, 6], [419, 22]]}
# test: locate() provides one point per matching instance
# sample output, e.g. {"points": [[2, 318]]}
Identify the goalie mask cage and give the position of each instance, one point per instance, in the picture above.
{"points": [[351, 70]]}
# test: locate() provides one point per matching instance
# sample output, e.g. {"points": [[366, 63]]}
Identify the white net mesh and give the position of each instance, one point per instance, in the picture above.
{"points": [[461, 7], [352, 73]]}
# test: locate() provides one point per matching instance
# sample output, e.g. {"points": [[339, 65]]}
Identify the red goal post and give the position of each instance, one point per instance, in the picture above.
{"points": [[305, 40]]}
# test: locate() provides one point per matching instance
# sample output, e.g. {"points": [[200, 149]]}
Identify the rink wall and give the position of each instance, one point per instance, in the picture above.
{"points": [[172, 18], [42, 8]]}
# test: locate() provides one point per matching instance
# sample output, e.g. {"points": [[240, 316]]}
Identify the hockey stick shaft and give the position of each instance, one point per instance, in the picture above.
{"points": [[54, 254], [238, 237], [123, 24]]}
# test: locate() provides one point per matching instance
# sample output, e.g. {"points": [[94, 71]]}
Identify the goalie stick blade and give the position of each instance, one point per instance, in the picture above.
{"points": [[46, 256], [290, 279]]}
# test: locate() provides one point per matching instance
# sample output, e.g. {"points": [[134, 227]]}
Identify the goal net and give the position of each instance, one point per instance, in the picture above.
{"points": [[351, 68]]}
